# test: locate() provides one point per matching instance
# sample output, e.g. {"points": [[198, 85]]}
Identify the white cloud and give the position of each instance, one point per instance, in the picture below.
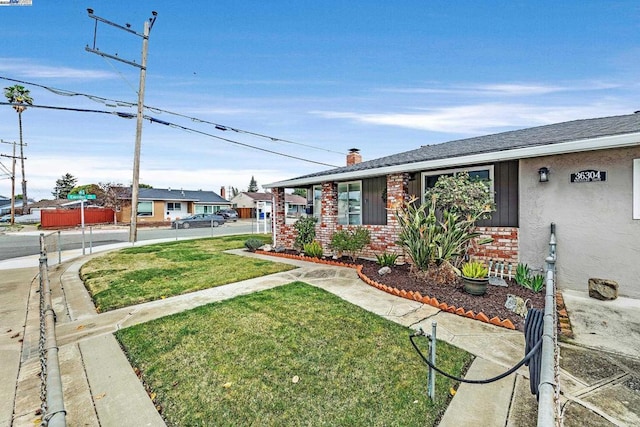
{"points": [[479, 118], [28, 69], [506, 89]]}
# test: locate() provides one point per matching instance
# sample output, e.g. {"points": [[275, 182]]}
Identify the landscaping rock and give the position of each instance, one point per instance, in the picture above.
{"points": [[280, 249], [384, 270], [266, 248], [603, 289]]}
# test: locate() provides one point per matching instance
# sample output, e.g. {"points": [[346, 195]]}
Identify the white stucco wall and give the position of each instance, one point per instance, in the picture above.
{"points": [[597, 235]]}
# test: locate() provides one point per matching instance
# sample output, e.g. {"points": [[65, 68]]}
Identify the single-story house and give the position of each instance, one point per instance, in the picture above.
{"points": [[582, 175], [160, 204], [246, 204]]}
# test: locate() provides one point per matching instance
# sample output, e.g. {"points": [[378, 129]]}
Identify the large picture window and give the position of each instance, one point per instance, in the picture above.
{"points": [[350, 203], [145, 208], [636, 188], [480, 173], [206, 209]]}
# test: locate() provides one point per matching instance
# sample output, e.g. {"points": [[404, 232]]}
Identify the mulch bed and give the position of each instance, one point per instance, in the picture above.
{"points": [[492, 304]]}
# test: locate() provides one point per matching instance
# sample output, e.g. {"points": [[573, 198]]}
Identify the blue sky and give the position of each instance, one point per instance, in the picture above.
{"points": [[380, 76]]}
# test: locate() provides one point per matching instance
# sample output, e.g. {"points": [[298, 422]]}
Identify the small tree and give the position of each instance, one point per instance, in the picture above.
{"points": [[300, 192], [64, 185], [462, 195], [253, 185]]}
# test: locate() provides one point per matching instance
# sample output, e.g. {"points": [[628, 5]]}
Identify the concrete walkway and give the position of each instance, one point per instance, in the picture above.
{"points": [[101, 389]]}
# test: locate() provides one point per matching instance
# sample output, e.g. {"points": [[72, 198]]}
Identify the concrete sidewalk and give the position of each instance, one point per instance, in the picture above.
{"points": [[100, 388]]}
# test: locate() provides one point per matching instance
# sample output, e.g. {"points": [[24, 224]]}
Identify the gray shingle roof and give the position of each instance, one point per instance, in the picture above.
{"points": [[541, 135], [181, 195]]}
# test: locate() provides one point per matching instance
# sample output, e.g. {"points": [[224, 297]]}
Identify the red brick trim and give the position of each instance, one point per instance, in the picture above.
{"points": [[505, 323], [564, 323]]}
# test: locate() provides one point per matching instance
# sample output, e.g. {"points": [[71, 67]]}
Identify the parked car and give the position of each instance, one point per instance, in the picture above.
{"points": [[7, 217], [231, 214], [199, 220]]}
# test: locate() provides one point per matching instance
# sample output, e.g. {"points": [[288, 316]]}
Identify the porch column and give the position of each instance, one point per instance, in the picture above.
{"points": [[397, 193], [328, 215], [278, 216]]}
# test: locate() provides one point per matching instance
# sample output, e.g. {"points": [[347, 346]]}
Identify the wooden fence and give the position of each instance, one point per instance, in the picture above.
{"points": [[55, 218]]}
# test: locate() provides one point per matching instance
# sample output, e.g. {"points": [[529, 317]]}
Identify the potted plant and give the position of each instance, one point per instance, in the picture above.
{"points": [[475, 278]]}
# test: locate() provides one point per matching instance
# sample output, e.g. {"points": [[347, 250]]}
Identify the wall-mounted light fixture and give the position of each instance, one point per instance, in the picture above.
{"points": [[544, 174]]}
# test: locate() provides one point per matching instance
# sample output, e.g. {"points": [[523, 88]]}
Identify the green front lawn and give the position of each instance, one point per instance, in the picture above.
{"points": [[292, 355], [145, 273]]}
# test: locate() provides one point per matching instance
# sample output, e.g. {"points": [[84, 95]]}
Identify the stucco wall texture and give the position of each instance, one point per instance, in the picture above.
{"points": [[596, 233]]}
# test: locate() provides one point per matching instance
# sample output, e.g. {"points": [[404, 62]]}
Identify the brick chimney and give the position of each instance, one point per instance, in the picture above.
{"points": [[223, 192], [353, 157]]}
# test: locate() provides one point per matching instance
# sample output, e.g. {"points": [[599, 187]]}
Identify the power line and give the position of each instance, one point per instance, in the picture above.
{"points": [[112, 103], [177, 126]]}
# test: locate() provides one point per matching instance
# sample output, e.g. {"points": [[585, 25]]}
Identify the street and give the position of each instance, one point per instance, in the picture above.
{"points": [[24, 243]]}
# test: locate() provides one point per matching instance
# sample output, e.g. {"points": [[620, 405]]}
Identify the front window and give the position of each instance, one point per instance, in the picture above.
{"points": [[317, 201], [349, 203], [145, 208], [206, 209], [174, 206], [482, 173]]}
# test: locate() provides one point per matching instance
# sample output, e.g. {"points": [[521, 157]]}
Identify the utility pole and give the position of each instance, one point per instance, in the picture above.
{"points": [[13, 181], [133, 228]]}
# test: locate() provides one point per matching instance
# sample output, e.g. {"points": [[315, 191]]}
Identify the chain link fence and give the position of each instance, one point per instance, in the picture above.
{"points": [[53, 412]]}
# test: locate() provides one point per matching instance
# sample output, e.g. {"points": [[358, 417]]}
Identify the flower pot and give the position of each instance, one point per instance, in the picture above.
{"points": [[475, 286]]}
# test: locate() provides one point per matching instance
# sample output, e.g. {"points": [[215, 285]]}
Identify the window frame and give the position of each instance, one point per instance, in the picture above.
{"points": [[425, 174], [145, 214], [317, 203], [349, 212], [174, 206], [636, 189]]}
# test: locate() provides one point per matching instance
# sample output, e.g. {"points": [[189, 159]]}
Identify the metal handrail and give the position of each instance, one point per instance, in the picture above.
{"points": [[549, 387]]}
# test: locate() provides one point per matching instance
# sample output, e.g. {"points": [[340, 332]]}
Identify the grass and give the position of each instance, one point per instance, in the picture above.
{"points": [[292, 355], [145, 273]]}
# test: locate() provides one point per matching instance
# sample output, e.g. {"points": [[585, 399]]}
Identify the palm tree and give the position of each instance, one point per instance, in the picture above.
{"points": [[19, 97]]}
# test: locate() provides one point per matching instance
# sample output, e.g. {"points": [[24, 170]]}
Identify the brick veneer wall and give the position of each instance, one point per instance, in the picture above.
{"points": [[504, 246], [383, 237]]}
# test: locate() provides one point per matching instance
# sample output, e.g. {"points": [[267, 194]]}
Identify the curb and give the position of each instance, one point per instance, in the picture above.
{"points": [[414, 296]]}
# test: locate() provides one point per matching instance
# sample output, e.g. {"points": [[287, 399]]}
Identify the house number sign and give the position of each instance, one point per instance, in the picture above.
{"points": [[589, 176]]}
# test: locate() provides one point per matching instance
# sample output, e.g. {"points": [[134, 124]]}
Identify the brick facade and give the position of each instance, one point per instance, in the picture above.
{"points": [[504, 246], [383, 237]]}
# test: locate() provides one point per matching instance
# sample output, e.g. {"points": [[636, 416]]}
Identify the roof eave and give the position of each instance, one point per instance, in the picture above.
{"points": [[605, 142]]}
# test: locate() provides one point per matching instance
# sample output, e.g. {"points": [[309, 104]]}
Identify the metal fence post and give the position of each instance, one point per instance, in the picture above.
{"points": [[431, 389]]}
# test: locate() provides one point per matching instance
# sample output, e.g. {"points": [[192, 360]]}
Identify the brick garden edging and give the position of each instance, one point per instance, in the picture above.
{"points": [[416, 296]]}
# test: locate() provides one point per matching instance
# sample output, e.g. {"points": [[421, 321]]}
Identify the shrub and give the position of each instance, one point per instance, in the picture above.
{"points": [[313, 249], [525, 279], [306, 231], [522, 274], [253, 244], [432, 240], [536, 283], [387, 259], [351, 241]]}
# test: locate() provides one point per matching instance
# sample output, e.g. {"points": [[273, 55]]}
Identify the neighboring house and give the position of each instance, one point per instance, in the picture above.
{"points": [[159, 204], [247, 202], [591, 193], [5, 206]]}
